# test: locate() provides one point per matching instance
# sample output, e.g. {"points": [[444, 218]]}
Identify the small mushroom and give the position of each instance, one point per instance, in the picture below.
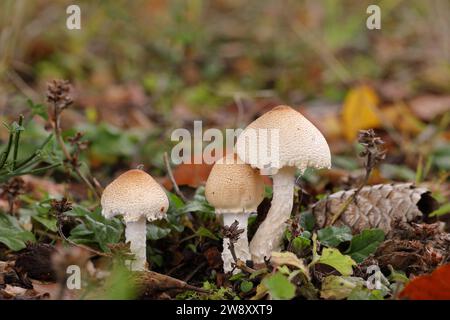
{"points": [[235, 190], [297, 145], [136, 196]]}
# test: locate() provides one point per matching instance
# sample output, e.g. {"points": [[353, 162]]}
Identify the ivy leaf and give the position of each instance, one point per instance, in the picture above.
{"points": [[12, 235], [333, 236], [364, 244], [279, 287], [337, 260]]}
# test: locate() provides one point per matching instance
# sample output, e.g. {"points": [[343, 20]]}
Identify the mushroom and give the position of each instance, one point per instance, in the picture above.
{"points": [[294, 143], [136, 196], [235, 190]]}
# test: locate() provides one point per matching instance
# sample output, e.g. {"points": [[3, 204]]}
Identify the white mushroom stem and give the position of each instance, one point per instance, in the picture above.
{"points": [[241, 246], [269, 235], [136, 234]]}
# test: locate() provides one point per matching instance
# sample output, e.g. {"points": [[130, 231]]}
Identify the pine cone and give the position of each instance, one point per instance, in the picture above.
{"points": [[376, 206]]}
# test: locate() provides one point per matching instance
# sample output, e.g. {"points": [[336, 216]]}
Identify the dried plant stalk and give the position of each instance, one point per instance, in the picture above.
{"points": [[374, 207]]}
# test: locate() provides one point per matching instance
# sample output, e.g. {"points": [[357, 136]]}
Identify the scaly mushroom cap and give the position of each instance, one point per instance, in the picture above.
{"points": [[233, 186], [134, 194], [300, 143]]}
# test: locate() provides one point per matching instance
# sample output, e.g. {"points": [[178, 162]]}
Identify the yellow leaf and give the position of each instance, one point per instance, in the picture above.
{"points": [[288, 259], [261, 292], [359, 111], [400, 117]]}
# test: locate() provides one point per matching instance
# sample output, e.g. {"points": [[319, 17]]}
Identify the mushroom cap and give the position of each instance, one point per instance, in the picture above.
{"points": [[300, 143], [233, 186], [134, 194]]}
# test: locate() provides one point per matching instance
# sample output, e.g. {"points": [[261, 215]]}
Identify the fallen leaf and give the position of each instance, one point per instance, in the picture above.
{"points": [[359, 111], [338, 287], [434, 286], [430, 106], [289, 259], [334, 258], [400, 117], [279, 287]]}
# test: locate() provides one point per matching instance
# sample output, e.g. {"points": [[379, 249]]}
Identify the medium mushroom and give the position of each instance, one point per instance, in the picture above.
{"points": [[136, 196], [293, 143], [235, 190]]}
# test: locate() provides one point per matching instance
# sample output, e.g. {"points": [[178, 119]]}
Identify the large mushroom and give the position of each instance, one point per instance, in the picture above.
{"points": [[136, 196], [278, 143], [235, 190]]}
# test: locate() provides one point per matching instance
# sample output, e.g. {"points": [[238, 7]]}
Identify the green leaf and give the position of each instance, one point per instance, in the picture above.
{"points": [[203, 232], [155, 232], [12, 235], [95, 228], [444, 209], [246, 286], [307, 221], [364, 244], [279, 287], [333, 236], [337, 260], [300, 243], [40, 212], [200, 205], [360, 293], [38, 109], [49, 222], [338, 287], [237, 276]]}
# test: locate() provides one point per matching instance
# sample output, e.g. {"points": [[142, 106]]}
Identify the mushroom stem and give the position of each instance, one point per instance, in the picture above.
{"points": [[269, 235], [241, 246], [136, 234]]}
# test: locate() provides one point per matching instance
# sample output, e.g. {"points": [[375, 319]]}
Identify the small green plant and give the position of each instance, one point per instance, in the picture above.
{"points": [[10, 164]]}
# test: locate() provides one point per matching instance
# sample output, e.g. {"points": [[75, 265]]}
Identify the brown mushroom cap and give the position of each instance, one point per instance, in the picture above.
{"points": [[134, 194], [301, 144], [233, 186]]}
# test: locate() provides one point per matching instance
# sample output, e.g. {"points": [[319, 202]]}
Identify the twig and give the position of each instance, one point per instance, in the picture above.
{"points": [[373, 154], [153, 283], [172, 179]]}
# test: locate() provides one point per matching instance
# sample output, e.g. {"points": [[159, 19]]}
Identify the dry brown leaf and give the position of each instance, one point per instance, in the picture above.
{"points": [[359, 111], [429, 106], [375, 206]]}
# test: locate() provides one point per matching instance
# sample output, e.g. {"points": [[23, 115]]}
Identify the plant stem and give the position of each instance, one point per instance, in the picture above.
{"points": [[16, 143], [35, 153], [172, 179], [67, 155], [5, 153]]}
